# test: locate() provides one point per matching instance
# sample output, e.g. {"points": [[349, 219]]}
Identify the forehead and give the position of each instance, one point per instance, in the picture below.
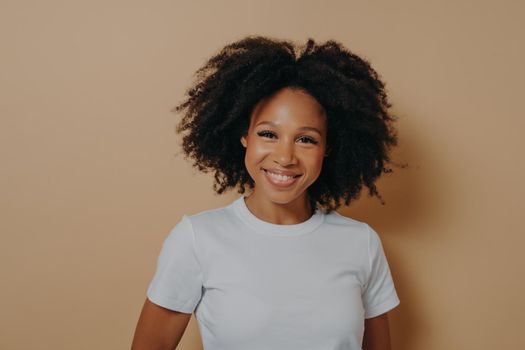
{"points": [[289, 107]]}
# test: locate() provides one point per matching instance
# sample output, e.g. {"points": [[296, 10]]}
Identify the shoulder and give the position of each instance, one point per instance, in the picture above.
{"points": [[349, 231], [211, 217], [367, 234], [335, 219]]}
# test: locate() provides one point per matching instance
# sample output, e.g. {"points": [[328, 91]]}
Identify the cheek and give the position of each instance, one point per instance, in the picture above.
{"points": [[256, 153], [315, 163]]}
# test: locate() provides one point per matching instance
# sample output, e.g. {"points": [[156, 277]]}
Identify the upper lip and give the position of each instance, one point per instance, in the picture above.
{"points": [[282, 172]]}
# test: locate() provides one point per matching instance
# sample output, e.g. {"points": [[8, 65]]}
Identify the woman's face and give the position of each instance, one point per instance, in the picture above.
{"points": [[285, 145]]}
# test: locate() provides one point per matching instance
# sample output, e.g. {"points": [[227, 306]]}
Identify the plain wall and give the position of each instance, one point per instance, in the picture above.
{"points": [[93, 180]]}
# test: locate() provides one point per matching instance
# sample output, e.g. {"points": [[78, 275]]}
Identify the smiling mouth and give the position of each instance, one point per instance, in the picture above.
{"points": [[279, 176], [281, 181]]}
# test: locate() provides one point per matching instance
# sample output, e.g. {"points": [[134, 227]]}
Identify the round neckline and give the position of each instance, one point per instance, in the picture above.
{"points": [[268, 228]]}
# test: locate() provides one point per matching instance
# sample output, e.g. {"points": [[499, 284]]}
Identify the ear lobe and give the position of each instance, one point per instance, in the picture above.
{"points": [[243, 141]]}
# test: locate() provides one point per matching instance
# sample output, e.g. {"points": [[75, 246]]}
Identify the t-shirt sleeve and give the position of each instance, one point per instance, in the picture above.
{"points": [[177, 282], [379, 293]]}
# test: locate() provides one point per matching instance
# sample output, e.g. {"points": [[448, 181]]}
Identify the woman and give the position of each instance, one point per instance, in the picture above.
{"points": [[279, 268]]}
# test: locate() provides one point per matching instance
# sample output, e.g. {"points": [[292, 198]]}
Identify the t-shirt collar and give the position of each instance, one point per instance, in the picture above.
{"points": [[240, 208]]}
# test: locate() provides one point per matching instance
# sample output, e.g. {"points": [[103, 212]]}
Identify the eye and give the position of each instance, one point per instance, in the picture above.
{"points": [[269, 134], [265, 133], [308, 139]]}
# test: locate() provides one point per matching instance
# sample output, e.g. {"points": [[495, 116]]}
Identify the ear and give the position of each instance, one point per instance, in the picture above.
{"points": [[243, 141]]}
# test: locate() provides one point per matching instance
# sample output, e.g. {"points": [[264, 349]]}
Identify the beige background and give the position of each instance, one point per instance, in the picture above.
{"points": [[92, 181]]}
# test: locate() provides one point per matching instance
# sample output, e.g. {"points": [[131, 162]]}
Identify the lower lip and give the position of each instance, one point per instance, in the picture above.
{"points": [[283, 184]]}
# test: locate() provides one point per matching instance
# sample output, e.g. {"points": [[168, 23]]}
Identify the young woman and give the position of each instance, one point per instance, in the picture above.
{"points": [[279, 268]]}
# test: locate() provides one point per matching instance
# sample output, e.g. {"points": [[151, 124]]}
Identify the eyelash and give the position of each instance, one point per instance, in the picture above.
{"points": [[265, 132]]}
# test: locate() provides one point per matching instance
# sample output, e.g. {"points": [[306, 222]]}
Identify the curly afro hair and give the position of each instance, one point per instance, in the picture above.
{"points": [[218, 106]]}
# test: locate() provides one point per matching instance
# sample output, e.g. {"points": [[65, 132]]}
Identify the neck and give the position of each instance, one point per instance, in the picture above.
{"points": [[293, 212]]}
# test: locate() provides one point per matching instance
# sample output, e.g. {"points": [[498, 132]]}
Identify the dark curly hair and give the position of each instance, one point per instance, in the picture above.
{"points": [[218, 107]]}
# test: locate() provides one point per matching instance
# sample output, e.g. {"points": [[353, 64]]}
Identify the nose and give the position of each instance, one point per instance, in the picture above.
{"points": [[284, 153]]}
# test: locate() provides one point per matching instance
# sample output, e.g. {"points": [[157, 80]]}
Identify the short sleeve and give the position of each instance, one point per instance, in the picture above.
{"points": [[177, 282], [379, 293]]}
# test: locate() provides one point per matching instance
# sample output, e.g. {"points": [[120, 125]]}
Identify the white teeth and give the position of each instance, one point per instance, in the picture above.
{"points": [[278, 177]]}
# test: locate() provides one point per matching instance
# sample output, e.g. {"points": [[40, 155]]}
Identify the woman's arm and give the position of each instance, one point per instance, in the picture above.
{"points": [[159, 328], [377, 333]]}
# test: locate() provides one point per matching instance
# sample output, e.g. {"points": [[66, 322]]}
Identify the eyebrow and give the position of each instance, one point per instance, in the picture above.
{"points": [[310, 128]]}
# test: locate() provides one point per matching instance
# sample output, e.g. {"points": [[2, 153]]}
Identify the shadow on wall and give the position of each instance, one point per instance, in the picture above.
{"points": [[411, 199]]}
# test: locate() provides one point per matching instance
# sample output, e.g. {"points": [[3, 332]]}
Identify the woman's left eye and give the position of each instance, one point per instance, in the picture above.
{"points": [[308, 139]]}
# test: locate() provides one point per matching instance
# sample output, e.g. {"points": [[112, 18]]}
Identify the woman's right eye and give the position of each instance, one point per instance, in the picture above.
{"points": [[265, 133]]}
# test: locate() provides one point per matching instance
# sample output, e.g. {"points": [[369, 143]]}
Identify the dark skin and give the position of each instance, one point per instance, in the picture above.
{"points": [[377, 333], [287, 132], [159, 328]]}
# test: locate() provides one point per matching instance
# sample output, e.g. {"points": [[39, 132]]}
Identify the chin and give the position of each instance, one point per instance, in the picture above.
{"points": [[281, 197]]}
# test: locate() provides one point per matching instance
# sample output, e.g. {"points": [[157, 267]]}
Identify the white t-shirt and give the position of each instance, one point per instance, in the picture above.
{"points": [[261, 286]]}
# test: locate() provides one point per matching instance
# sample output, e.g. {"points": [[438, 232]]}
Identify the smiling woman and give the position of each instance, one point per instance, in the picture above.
{"points": [[279, 268], [285, 147]]}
